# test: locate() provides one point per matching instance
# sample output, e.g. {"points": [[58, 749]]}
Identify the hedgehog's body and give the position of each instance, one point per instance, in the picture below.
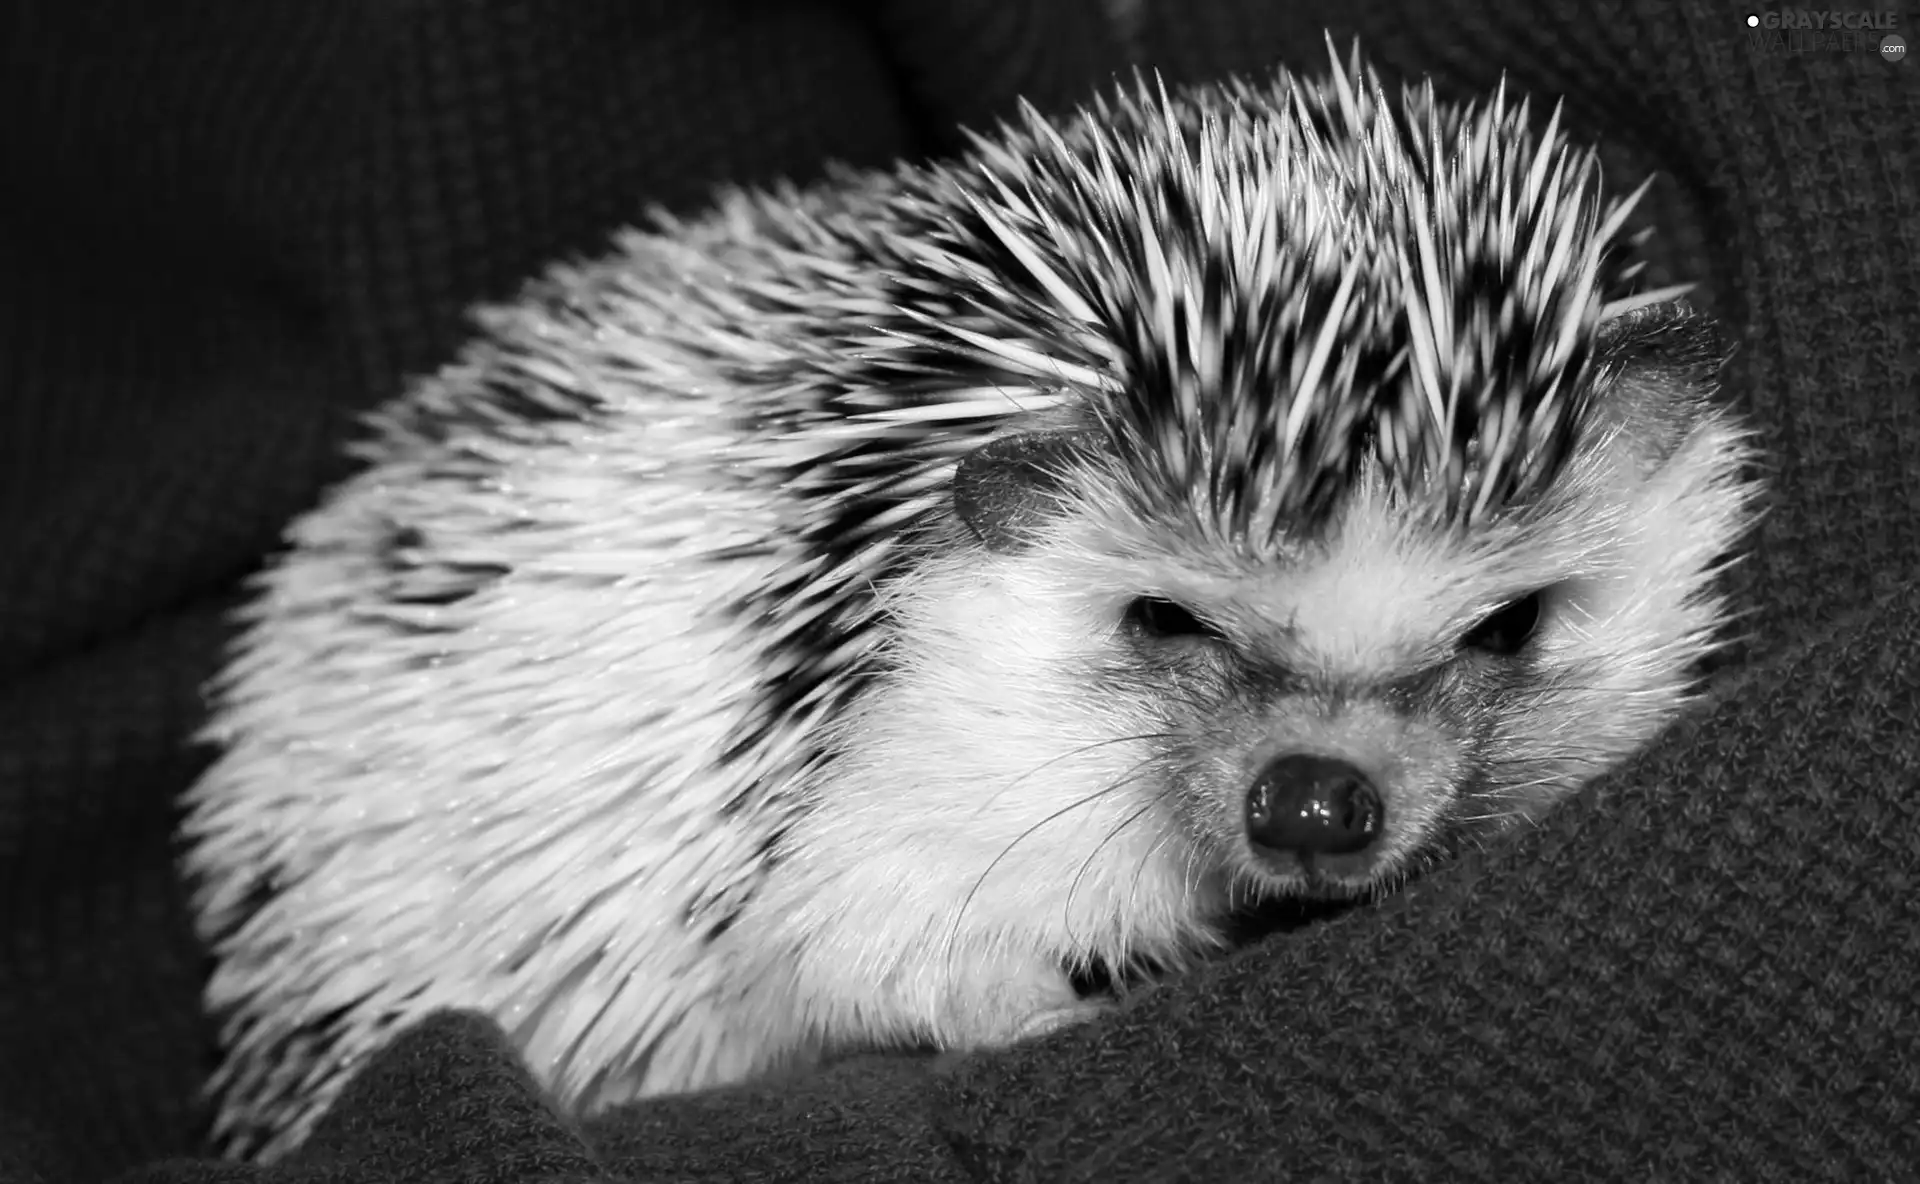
{"points": [[684, 684]]}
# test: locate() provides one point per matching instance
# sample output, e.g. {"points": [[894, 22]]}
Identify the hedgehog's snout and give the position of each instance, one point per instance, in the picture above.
{"points": [[1313, 808]]}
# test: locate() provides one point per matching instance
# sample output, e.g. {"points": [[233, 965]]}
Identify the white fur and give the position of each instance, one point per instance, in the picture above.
{"points": [[995, 822], [434, 822]]}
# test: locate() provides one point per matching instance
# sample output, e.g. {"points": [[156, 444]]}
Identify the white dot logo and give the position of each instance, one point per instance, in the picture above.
{"points": [[1753, 20], [1893, 48]]}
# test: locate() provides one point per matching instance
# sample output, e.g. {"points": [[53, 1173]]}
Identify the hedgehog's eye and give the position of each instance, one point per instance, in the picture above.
{"points": [[1156, 616], [1508, 628]]}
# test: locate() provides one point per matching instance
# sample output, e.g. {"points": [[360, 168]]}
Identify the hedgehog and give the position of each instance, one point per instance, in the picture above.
{"points": [[844, 619]]}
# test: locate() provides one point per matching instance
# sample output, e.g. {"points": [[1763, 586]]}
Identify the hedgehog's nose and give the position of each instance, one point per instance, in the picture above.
{"points": [[1313, 805]]}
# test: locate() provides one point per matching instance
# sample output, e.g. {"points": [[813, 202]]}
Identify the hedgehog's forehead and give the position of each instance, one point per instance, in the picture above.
{"points": [[1375, 588], [1123, 528]]}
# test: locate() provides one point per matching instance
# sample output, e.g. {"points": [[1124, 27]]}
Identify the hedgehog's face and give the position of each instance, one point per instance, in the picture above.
{"points": [[1316, 710], [1326, 714]]}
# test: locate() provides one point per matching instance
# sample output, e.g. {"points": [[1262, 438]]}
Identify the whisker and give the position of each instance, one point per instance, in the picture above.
{"points": [[953, 934], [1139, 872], [1087, 863], [1082, 750]]}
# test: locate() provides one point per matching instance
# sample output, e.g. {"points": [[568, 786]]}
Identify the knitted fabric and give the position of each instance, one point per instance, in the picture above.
{"points": [[230, 227]]}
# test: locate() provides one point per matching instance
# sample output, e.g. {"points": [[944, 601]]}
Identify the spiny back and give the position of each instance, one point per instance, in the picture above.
{"points": [[1251, 288]]}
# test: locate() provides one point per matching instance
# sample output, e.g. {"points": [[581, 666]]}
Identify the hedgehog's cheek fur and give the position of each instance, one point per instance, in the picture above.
{"points": [[1619, 654], [999, 819]]}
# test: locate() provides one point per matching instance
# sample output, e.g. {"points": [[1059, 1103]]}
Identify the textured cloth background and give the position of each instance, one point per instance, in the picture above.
{"points": [[229, 226]]}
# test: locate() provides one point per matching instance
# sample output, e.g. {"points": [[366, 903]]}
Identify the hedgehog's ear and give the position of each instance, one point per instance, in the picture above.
{"points": [[1662, 365], [1005, 489]]}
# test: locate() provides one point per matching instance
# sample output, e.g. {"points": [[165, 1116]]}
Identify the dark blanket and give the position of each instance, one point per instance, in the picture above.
{"points": [[224, 227]]}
